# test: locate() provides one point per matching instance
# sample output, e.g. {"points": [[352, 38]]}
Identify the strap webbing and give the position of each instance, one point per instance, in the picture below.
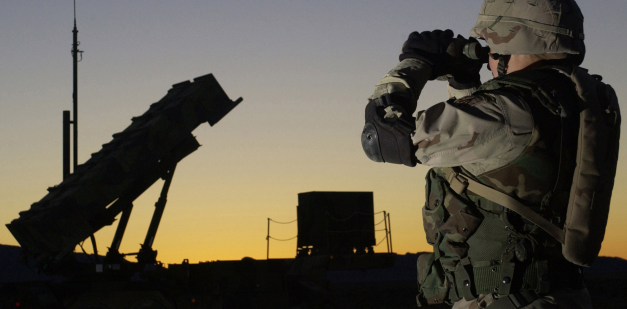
{"points": [[487, 278], [501, 67], [514, 301], [507, 202]]}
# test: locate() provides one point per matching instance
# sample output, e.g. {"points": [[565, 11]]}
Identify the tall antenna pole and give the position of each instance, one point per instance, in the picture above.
{"points": [[75, 53]]}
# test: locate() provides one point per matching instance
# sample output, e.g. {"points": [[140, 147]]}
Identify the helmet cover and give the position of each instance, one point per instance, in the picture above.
{"points": [[527, 27]]}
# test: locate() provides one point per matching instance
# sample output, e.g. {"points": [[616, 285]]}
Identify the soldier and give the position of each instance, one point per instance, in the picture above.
{"points": [[504, 154]]}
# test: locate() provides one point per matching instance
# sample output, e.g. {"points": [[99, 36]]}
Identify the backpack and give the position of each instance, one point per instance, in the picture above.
{"points": [[593, 179], [596, 159]]}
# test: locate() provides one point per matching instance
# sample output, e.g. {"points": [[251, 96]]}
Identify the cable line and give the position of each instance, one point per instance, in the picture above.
{"points": [[283, 222]]}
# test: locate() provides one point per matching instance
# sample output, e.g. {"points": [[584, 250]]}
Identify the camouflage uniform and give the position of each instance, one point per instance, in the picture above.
{"points": [[502, 138], [481, 133], [491, 135]]}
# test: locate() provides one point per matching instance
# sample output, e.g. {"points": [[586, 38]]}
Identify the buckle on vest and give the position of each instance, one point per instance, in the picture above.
{"points": [[458, 183]]}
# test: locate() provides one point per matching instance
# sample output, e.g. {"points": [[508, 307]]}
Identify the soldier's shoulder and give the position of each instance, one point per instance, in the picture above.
{"points": [[474, 99]]}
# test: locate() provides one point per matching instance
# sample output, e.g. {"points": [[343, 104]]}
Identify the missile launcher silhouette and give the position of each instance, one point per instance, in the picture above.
{"points": [[108, 183]]}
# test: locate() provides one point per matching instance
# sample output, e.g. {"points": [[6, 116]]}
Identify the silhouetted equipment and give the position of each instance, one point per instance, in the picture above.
{"points": [[66, 144], [333, 223], [75, 53], [66, 114], [108, 183]]}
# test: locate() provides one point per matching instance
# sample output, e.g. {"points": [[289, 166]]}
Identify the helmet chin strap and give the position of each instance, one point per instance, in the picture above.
{"points": [[503, 60], [501, 68]]}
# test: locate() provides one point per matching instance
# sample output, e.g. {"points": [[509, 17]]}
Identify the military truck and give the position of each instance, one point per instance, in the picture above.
{"points": [[336, 231]]}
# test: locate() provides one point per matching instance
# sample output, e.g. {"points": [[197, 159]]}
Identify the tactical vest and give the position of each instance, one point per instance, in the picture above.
{"points": [[482, 247]]}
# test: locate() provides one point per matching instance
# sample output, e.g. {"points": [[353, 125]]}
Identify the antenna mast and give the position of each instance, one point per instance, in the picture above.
{"points": [[75, 53], [66, 114]]}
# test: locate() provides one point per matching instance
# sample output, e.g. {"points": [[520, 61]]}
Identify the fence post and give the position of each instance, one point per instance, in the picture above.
{"points": [[390, 232], [268, 241], [387, 240]]}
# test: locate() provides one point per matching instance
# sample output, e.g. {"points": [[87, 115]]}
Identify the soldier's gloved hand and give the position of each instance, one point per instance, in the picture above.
{"points": [[430, 47]]}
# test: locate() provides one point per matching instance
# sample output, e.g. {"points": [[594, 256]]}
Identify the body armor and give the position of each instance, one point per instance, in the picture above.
{"points": [[482, 247]]}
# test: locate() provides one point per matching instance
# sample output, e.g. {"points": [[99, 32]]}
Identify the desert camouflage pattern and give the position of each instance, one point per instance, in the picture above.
{"points": [[481, 132], [459, 93], [531, 26], [405, 82], [409, 75], [532, 176]]}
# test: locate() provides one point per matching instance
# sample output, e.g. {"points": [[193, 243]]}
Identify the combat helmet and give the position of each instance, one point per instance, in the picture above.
{"points": [[526, 27]]}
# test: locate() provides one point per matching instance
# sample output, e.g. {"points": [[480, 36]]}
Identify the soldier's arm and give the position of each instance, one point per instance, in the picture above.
{"points": [[404, 83], [388, 114], [482, 132]]}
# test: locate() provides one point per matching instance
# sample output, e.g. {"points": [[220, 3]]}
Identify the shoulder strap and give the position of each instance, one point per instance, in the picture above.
{"points": [[459, 183]]}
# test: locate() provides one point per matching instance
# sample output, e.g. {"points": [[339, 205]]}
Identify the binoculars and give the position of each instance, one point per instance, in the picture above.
{"points": [[461, 47]]}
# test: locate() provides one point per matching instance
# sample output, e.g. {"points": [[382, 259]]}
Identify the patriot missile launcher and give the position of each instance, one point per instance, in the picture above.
{"points": [[108, 183]]}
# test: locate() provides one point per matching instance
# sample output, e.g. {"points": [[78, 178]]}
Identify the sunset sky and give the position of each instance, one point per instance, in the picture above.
{"points": [[304, 69]]}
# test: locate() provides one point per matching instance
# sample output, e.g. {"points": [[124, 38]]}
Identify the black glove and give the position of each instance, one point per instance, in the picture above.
{"points": [[444, 54], [430, 47]]}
